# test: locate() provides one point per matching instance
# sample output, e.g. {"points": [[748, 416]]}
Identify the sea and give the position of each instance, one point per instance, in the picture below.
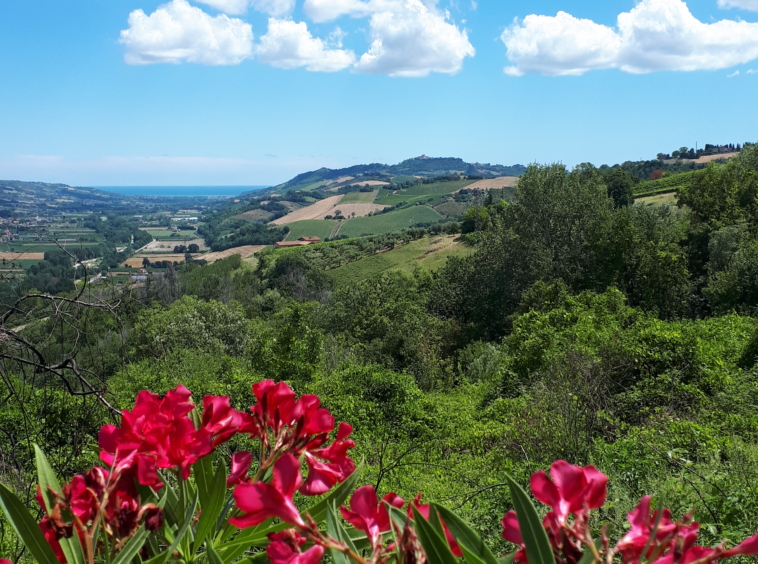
{"points": [[181, 191]]}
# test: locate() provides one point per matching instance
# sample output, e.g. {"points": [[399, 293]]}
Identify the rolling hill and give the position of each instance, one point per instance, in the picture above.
{"points": [[418, 167]]}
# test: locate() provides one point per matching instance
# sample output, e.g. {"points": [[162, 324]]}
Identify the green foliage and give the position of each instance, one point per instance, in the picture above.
{"points": [[210, 327]]}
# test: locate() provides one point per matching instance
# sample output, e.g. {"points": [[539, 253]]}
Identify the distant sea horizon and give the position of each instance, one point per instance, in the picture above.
{"points": [[181, 191]]}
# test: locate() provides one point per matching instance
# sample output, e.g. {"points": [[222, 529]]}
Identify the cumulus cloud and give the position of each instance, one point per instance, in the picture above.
{"points": [[735, 73], [236, 7], [178, 32], [290, 45], [657, 35], [752, 71], [744, 4], [414, 39]]}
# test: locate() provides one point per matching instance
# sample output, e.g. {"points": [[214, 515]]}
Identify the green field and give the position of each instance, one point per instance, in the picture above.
{"points": [[40, 247], [389, 222], [359, 198], [429, 252], [423, 191], [310, 228], [451, 208], [668, 198]]}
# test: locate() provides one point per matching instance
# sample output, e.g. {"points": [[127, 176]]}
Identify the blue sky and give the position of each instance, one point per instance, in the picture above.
{"points": [[241, 92]]}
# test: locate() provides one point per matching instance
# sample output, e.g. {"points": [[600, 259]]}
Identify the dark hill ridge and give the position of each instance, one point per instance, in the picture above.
{"points": [[423, 166]]}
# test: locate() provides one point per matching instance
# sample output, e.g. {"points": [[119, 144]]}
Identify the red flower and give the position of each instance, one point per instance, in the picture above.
{"points": [[157, 434], [334, 466], [52, 536], [424, 510], [261, 501], [748, 547], [220, 420], [298, 425], [285, 549], [642, 522], [368, 515], [241, 462], [572, 489], [512, 533], [5, 561]]}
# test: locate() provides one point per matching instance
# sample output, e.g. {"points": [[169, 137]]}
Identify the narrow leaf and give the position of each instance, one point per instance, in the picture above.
{"points": [[538, 549], [335, 531], [26, 528], [211, 503], [47, 480], [132, 546], [468, 539], [436, 548], [213, 557]]}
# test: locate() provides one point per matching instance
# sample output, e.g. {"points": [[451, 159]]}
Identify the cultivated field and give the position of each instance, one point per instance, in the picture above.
{"points": [[389, 222], [422, 192], [429, 252], [494, 183], [658, 200], [168, 246], [310, 228], [359, 198], [244, 251], [15, 257], [359, 210], [314, 211], [370, 183]]}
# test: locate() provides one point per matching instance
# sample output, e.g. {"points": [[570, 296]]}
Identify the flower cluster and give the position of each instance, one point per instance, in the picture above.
{"points": [[160, 434], [574, 491], [96, 498]]}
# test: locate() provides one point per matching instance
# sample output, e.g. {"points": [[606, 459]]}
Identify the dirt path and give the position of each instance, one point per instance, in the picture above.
{"points": [[314, 211]]}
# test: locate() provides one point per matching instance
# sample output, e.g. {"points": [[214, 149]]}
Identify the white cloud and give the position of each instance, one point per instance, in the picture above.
{"points": [[236, 7], [178, 32], [657, 35], [744, 4], [327, 10], [414, 39], [752, 71], [290, 45], [735, 73]]}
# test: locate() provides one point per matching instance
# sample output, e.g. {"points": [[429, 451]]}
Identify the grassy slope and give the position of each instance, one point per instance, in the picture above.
{"points": [[310, 228], [668, 198], [423, 191], [424, 252], [359, 198], [388, 222]]}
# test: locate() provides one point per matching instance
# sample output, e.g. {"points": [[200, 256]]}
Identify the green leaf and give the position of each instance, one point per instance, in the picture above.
{"points": [[587, 557], [132, 546], [470, 542], [436, 548], [47, 480], [72, 550], [26, 528], [398, 516], [213, 557], [508, 558], [211, 488], [538, 549], [337, 532]]}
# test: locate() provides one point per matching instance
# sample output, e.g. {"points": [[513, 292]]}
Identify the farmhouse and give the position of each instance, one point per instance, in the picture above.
{"points": [[310, 239]]}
